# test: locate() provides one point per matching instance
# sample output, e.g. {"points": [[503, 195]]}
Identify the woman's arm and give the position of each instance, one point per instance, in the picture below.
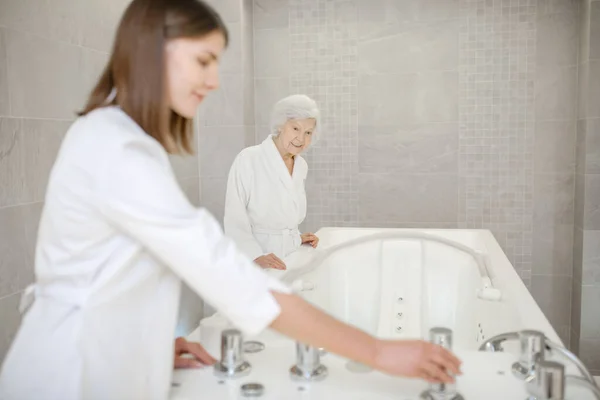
{"points": [[414, 359]]}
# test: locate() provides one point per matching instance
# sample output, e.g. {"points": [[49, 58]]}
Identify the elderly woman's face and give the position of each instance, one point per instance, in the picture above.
{"points": [[295, 136]]}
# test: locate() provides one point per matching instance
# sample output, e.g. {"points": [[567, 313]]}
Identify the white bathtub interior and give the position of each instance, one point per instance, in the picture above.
{"points": [[400, 288]]}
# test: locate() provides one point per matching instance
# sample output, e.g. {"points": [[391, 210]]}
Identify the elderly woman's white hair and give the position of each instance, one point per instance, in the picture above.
{"points": [[297, 106]]}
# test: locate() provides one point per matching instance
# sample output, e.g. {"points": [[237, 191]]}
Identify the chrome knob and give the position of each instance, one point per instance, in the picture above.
{"points": [[441, 391], [308, 364], [232, 363], [441, 336]]}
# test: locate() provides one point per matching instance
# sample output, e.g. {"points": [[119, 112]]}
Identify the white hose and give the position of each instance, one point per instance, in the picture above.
{"points": [[584, 383], [575, 360], [487, 291]]}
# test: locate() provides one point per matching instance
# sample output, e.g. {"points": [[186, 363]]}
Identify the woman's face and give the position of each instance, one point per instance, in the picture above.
{"points": [[192, 67], [295, 136]]}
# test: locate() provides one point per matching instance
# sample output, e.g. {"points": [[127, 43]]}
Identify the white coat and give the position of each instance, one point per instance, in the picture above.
{"points": [[264, 204], [116, 236]]}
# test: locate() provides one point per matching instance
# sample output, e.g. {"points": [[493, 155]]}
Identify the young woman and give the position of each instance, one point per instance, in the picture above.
{"points": [[117, 236]]}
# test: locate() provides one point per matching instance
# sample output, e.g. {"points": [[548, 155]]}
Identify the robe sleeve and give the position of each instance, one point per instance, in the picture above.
{"points": [[139, 195], [236, 221]]}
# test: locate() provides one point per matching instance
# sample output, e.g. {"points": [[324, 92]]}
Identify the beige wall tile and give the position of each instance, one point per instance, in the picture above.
{"points": [[28, 149], [17, 245]]}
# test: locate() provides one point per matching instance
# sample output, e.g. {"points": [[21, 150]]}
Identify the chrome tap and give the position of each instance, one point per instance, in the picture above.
{"points": [[534, 347], [532, 350], [441, 391], [495, 344], [232, 363], [308, 365], [549, 382]]}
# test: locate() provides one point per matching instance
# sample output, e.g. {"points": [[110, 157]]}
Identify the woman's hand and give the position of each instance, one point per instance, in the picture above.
{"points": [[200, 356], [270, 261], [417, 359], [310, 238]]}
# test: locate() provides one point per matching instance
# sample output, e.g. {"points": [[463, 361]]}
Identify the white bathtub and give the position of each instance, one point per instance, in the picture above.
{"points": [[384, 285], [438, 286]]}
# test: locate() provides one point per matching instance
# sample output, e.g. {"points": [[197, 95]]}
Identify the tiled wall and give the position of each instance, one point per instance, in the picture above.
{"points": [[553, 155], [438, 113], [444, 113], [586, 271], [227, 116], [50, 56], [324, 64]]}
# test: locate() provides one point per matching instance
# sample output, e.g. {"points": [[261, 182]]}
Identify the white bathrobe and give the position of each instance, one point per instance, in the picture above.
{"points": [[264, 203], [116, 237]]}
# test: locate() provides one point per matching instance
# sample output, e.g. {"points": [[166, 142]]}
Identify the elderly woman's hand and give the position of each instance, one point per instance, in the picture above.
{"points": [[191, 355], [270, 261], [310, 238]]}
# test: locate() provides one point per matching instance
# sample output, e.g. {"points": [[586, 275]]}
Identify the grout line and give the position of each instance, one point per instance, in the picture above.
{"points": [[39, 119], [21, 204], [537, 120], [55, 40], [7, 71], [270, 29], [254, 140], [8, 80], [224, 126], [268, 78], [11, 294], [553, 275], [401, 173], [589, 285]]}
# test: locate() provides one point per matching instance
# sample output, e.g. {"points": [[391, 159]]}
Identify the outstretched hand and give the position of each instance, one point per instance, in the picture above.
{"points": [[417, 359]]}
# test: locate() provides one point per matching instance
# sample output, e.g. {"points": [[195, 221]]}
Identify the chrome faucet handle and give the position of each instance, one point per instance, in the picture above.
{"points": [[533, 344], [494, 344], [232, 363], [441, 391], [308, 365], [548, 383]]}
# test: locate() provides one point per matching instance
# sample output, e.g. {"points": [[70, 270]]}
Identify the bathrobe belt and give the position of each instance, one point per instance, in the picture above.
{"points": [[282, 232], [56, 292]]}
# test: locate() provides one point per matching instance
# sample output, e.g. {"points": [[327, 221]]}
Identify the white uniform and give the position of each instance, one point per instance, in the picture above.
{"points": [[116, 236], [264, 203]]}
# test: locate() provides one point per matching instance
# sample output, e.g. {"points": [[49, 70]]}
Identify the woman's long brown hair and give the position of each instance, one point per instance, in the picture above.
{"points": [[136, 69]]}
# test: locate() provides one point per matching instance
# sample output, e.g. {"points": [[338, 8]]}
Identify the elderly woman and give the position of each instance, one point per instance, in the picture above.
{"points": [[266, 200]]}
